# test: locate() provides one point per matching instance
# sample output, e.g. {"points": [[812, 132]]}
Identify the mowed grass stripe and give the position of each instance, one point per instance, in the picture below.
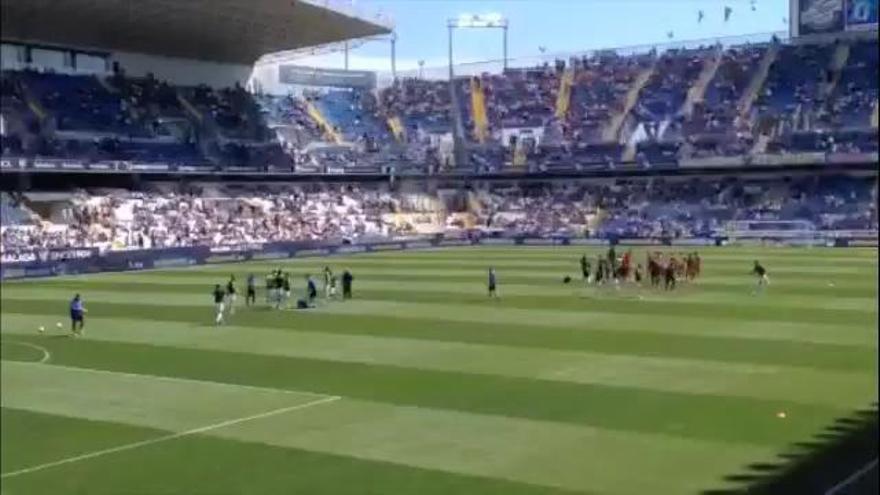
{"points": [[617, 408], [714, 266], [734, 295], [418, 313], [202, 464], [499, 447], [694, 376], [738, 253], [745, 256], [857, 276], [820, 259], [588, 304], [608, 341], [45, 388], [709, 286]]}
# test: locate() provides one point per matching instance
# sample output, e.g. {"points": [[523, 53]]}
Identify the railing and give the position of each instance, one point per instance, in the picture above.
{"points": [[10, 164], [497, 66]]}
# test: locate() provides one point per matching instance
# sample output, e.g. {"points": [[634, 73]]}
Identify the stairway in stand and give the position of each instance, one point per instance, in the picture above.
{"points": [[396, 126], [329, 131], [478, 111], [563, 98], [758, 80], [838, 62], [697, 91], [612, 132]]}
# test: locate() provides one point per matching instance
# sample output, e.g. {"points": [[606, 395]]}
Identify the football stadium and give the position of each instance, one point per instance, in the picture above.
{"points": [[236, 260]]}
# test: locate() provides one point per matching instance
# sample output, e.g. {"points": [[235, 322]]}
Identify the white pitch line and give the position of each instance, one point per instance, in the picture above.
{"points": [[172, 379], [858, 474], [172, 436], [46, 353]]}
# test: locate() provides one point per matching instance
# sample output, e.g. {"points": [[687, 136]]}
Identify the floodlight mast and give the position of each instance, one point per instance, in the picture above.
{"points": [[467, 21], [394, 55], [487, 21]]}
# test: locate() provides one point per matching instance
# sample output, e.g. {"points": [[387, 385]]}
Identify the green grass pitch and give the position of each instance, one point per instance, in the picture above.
{"points": [[421, 385]]}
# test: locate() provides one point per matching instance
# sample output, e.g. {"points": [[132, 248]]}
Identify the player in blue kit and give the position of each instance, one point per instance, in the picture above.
{"points": [[311, 291], [77, 315]]}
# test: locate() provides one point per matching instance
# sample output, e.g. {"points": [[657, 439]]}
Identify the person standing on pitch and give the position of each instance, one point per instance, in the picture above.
{"points": [[77, 315], [347, 279], [219, 297], [284, 291], [585, 269], [611, 268], [493, 287], [251, 297], [311, 291], [763, 279], [328, 281], [231, 296]]}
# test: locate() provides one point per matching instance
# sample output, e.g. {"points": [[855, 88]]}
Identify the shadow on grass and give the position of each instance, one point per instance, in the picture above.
{"points": [[826, 464]]}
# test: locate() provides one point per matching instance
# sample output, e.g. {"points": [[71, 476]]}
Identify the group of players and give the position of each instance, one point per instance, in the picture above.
{"points": [[278, 292], [662, 269]]}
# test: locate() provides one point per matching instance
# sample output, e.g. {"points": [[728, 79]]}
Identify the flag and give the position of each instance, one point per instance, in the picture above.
{"points": [[727, 12], [700, 16]]}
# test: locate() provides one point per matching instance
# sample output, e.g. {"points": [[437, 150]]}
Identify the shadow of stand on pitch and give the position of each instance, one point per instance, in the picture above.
{"points": [[840, 460]]}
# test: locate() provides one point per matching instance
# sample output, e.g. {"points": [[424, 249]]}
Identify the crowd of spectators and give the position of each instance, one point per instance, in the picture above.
{"points": [[663, 208], [141, 220], [700, 208], [422, 104], [145, 119], [255, 215], [600, 87]]}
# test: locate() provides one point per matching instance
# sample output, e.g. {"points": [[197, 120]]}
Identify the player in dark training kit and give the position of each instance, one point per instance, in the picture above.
{"points": [[251, 297], [347, 279], [311, 290], [219, 298], [669, 274], [585, 269], [77, 315], [492, 283], [763, 279]]}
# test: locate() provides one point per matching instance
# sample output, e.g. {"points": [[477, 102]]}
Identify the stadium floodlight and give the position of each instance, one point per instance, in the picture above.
{"points": [[478, 21]]}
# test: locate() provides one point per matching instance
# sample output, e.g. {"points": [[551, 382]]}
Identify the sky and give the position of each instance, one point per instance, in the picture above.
{"points": [[554, 26]]}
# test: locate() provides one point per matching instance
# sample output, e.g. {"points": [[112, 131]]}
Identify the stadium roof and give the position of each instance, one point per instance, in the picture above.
{"points": [[229, 31]]}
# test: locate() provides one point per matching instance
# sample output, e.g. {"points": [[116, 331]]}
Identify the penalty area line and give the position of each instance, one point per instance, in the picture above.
{"points": [[173, 379], [173, 436], [46, 354]]}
